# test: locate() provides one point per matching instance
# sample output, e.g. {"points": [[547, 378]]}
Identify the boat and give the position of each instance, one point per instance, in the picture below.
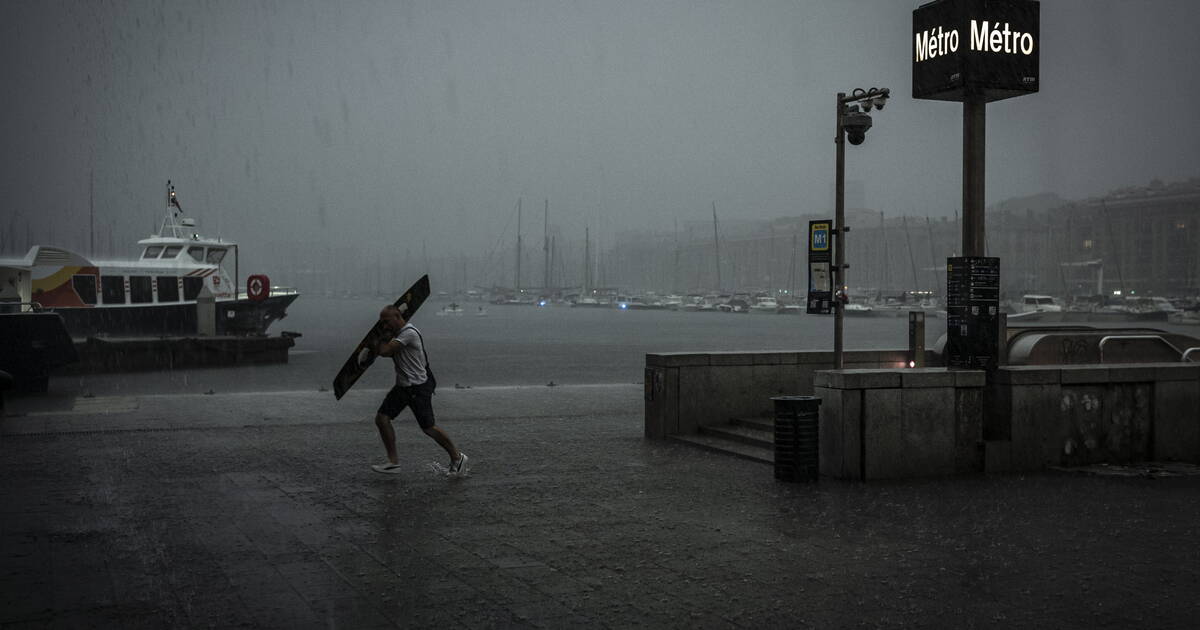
{"points": [[154, 294], [855, 308], [451, 309], [1095, 310], [764, 305], [737, 304], [482, 312], [1037, 303]]}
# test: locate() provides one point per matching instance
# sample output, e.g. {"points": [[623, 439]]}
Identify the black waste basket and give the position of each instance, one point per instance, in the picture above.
{"points": [[796, 419]]}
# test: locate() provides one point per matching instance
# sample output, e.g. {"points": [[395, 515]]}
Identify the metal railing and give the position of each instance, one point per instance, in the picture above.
{"points": [[19, 307], [1158, 338]]}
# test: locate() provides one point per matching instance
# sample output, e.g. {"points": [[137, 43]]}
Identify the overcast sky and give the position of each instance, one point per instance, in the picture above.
{"points": [[402, 122]]}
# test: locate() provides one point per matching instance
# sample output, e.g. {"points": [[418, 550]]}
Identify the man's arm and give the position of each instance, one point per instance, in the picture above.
{"points": [[389, 348]]}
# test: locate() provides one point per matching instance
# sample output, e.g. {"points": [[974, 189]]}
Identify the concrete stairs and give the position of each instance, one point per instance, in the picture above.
{"points": [[748, 438]]}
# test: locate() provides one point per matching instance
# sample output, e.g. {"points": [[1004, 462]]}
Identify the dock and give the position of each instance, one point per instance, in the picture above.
{"points": [[105, 354]]}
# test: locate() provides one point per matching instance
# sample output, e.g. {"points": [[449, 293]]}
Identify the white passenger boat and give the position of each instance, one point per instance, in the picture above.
{"points": [[154, 294]]}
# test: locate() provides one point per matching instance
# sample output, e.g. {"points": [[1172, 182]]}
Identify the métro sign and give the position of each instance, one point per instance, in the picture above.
{"points": [[988, 48]]}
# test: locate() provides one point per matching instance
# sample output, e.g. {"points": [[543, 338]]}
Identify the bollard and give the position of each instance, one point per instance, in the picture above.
{"points": [[6, 382], [796, 426], [916, 339], [206, 313], [1002, 336]]}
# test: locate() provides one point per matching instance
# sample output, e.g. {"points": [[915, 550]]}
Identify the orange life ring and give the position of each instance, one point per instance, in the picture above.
{"points": [[258, 287]]}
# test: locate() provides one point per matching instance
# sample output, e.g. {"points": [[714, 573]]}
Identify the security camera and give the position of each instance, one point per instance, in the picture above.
{"points": [[856, 124], [880, 101]]}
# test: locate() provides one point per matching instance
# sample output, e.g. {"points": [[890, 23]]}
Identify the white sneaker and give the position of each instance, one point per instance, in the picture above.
{"points": [[460, 468], [386, 468]]}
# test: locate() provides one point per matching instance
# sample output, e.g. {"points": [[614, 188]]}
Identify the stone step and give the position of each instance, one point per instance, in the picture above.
{"points": [[729, 447], [741, 433], [762, 423]]}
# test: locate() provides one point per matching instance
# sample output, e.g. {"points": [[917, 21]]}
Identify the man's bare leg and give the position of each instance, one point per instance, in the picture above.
{"points": [[444, 441], [388, 435]]}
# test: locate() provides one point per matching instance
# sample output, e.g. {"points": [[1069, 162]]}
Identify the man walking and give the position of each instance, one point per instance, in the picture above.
{"points": [[414, 389]]}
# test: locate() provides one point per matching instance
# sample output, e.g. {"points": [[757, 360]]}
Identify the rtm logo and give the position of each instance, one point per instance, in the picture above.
{"points": [[985, 37]]}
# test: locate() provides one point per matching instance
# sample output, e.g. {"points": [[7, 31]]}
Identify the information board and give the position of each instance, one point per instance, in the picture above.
{"points": [[820, 267], [972, 312]]}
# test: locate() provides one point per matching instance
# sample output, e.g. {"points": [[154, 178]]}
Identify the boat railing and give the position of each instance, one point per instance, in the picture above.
{"points": [[1186, 358], [274, 291], [21, 307]]}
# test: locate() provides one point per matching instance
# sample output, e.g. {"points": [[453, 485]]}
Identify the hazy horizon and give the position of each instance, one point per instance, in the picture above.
{"points": [[393, 126]]}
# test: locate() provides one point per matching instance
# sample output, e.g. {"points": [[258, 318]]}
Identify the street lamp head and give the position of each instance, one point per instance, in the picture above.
{"points": [[856, 124]]}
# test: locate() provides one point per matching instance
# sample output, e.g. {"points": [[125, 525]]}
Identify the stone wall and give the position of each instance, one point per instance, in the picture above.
{"points": [[1041, 416], [688, 390], [899, 423]]}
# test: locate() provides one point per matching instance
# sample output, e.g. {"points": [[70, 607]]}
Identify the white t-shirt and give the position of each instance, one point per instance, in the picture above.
{"points": [[410, 359]]}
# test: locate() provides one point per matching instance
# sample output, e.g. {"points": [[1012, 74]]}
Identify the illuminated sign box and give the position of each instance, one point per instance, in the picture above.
{"points": [[985, 47]]}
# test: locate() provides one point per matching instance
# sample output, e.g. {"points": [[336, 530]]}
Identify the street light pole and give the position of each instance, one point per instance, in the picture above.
{"points": [[848, 109], [839, 237]]}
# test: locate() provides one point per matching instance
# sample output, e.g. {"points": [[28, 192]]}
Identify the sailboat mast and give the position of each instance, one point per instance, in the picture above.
{"points": [[717, 245], [587, 261], [675, 280], [932, 254], [517, 277], [546, 247], [792, 270], [911, 259], [92, 214], [887, 259]]}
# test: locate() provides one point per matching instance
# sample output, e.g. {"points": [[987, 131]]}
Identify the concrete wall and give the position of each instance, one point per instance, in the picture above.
{"points": [[687, 390], [1042, 416], [898, 423]]}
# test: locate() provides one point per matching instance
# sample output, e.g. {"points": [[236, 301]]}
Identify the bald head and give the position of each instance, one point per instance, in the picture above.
{"points": [[393, 317]]}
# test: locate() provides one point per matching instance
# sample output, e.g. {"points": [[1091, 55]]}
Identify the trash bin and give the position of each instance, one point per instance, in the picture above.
{"points": [[796, 423]]}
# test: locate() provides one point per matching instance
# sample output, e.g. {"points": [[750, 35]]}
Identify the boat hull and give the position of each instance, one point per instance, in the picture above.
{"points": [[243, 317]]}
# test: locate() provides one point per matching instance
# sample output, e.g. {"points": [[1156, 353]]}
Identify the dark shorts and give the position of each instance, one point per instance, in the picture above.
{"points": [[418, 397]]}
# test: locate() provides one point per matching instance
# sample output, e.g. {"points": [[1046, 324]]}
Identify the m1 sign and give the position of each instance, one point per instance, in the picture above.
{"points": [[983, 48]]}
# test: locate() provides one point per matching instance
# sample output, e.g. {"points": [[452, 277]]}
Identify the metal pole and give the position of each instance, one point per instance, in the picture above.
{"points": [[839, 240], [974, 140]]}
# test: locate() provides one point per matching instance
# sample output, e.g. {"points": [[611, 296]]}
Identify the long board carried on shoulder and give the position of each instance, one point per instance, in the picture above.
{"points": [[364, 353]]}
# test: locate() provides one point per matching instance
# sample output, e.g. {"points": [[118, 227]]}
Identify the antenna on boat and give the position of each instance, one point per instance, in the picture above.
{"points": [[171, 199]]}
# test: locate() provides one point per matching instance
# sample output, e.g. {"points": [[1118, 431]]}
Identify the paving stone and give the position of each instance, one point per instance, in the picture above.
{"points": [[569, 521]]}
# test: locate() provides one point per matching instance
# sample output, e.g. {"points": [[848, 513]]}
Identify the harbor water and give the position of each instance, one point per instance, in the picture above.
{"points": [[511, 345]]}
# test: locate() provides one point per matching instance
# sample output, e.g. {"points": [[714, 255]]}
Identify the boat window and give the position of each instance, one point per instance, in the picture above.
{"points": [[215, 255], [197, 253], [85, 288], [139, 290], [112, 289], [191, 287], [1045, 300], [1030, 300], [168, 289], [152, 251], [172, 251]]}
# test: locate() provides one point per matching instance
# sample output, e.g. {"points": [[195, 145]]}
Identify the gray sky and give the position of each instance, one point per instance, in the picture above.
{"points": [[397, 122]]}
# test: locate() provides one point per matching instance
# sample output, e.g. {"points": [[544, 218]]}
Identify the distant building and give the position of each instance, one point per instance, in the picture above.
{"points": [[1142, 240]]}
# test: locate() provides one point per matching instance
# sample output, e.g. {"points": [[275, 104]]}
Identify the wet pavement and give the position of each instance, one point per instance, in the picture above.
{"points": [[261, 510]]}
